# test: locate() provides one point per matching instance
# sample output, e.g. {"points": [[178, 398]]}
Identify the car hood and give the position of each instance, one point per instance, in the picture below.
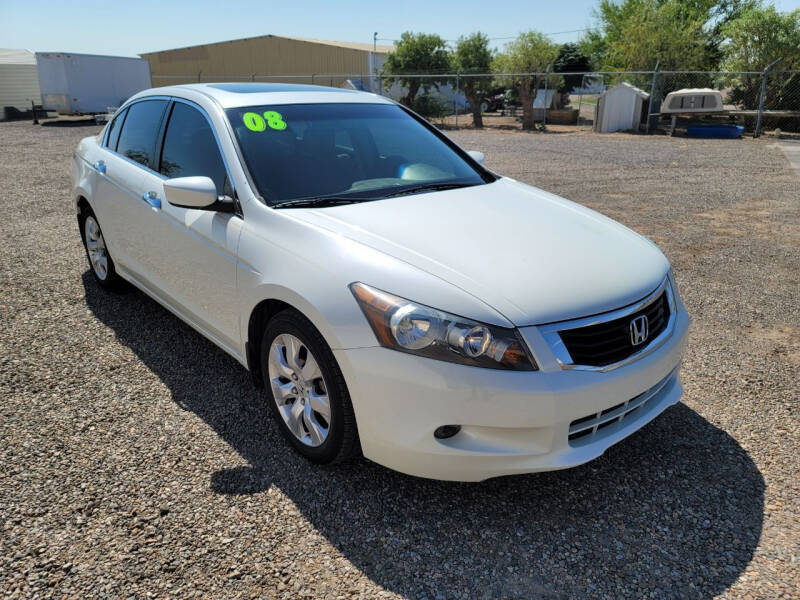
{"points": [[532, 256]]}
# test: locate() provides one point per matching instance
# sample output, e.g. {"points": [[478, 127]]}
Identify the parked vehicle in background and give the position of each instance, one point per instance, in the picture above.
{"points": [[391, 295], [493, 103], [88, 83]]}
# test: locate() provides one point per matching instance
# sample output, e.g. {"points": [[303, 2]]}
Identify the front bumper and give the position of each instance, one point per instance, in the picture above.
{"points": [[511, 422]]}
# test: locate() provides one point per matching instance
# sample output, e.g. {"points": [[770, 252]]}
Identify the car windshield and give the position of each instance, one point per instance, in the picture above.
{"points": [[344, 152]]}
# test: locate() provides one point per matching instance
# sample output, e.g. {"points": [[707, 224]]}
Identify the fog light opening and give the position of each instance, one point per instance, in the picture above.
{"points": [[446, 431]]}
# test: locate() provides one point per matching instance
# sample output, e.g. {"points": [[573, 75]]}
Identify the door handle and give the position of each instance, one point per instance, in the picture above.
{"points": [[100, 166], [152, 199]]}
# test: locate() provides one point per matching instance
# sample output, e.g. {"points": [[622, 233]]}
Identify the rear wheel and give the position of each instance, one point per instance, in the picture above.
{"points": [[306, 390], [96, 251]]}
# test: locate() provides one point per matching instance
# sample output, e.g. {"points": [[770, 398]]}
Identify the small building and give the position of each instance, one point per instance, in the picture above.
{"points": [[19, 82], [622, 108], [270, 58]]}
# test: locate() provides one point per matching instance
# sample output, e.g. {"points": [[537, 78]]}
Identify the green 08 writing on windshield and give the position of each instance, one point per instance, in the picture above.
{"points": [[256, 122]]}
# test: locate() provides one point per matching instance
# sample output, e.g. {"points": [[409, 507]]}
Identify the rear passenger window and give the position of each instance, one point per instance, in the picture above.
{"points": [[114, 128], [190, 148], [138, 138]]}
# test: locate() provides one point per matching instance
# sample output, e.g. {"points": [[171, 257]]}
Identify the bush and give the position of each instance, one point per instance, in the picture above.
{"points": [[430, 106]]}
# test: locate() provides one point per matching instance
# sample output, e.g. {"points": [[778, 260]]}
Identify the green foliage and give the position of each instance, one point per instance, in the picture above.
{"points": [[530, 52], [634, 34], [759, 37], [430, 106], [417, 53], [680, 34], [571, 60], [473, 55]]}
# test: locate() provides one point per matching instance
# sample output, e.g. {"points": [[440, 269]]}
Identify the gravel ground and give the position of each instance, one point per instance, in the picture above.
{"points": [[139, 461]]}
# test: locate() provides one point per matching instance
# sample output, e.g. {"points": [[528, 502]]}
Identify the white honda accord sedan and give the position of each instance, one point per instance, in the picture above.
{"points": [[391, 295]]}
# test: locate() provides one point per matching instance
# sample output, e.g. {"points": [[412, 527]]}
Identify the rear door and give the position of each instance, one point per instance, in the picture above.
{"points": [[190, 254], [120, 206]]}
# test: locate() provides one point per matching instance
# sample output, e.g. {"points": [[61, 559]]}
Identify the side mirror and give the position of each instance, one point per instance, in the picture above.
{"points": [[192, 192], [476, 155]]}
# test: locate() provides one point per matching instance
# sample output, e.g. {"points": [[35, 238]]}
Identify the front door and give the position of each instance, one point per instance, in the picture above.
{"points": [[189, 255]]}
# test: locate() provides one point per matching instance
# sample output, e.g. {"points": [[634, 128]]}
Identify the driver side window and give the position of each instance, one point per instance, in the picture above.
{"points": [[190, 148]]}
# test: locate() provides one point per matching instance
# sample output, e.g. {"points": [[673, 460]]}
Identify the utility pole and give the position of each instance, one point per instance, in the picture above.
{"points": [[374, 66]]}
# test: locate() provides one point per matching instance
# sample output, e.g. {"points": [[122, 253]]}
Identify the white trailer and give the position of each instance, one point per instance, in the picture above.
{"points": [[89, 83]]}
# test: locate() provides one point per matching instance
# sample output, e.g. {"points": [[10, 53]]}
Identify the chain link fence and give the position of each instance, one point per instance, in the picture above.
{"points": [[759, 101]]}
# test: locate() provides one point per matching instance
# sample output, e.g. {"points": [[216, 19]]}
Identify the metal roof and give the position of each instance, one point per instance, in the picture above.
{"points": [[625, 84], [10, 56], [379, 49], [348, 45]]}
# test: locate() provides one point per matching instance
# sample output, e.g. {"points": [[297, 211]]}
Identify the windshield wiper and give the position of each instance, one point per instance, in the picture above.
{"points": [[320, 201], [429, 187]]}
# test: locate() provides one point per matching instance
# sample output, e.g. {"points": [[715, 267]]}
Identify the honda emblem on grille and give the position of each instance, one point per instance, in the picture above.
{"points": [[639, 330]]}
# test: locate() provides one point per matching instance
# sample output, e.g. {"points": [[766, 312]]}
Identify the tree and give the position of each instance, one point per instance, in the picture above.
{"points": [[472, 55], [759, 37], [754, 40], [634, 34], [417, 53], [571, 60], [679, 34], [531, 52]]}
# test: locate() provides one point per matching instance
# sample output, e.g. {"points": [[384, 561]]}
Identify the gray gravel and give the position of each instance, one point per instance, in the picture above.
{"points": [[139, 461]]}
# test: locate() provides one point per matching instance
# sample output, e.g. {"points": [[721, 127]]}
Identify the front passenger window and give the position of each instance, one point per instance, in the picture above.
{"points": [[138, 138], [190, 148]]}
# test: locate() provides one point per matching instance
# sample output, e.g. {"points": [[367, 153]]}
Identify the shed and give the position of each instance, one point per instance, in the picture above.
{"points": [[19, 83], [621, 108]]}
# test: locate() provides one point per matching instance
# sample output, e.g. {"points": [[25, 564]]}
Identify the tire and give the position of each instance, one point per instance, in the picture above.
{"points": [[100, 261], [484, 107], [296, 390]]}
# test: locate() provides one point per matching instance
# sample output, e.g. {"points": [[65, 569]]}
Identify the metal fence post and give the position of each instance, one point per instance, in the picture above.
{"points": [[312, 78], [580, 98], [652, 96], [757, 130], [199, 74], [546, 104], [761, 97], [455, 99]]}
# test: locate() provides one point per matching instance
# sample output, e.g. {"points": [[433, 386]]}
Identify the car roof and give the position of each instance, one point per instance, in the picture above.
{"points": [[231, 95]]}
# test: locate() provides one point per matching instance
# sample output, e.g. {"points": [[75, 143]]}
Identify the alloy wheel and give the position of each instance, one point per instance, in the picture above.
{"points": [[96, 248], [299, 390]]}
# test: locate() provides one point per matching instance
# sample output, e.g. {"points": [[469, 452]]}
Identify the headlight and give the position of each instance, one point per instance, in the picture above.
{"points": [[417, 329]]}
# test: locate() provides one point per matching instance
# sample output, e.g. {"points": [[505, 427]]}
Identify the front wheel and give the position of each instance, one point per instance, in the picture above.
{"points": [[306, 390]]}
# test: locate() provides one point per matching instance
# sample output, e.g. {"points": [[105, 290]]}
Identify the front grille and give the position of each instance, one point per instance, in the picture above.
{"points": [[587, 429], [609, 342]]}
